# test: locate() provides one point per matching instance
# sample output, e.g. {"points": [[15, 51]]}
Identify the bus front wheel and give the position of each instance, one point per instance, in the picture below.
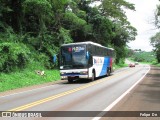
{"points": [[70, 80], [93, 76]]}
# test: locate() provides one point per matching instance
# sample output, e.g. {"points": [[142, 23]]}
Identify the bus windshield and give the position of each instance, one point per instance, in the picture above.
{"points": [[73, 57]]}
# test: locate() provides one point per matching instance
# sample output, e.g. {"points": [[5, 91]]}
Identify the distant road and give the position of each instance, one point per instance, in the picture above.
{"points": [[127, 61], [79, 96]]}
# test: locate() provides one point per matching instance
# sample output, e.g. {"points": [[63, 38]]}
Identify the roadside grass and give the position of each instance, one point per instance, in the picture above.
{"points": [[27, 77], [151, 63], [117, 66], [156, 64], [131, 59]]}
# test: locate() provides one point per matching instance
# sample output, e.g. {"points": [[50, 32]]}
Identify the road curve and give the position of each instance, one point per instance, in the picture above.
{"points": [[79, 96]]}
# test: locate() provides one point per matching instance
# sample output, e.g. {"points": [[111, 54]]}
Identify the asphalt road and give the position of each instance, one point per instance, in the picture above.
{"points": [[93, 97], [143, 102]]}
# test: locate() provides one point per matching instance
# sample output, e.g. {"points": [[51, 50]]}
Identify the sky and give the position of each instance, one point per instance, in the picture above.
{"points": [[142, 19]]}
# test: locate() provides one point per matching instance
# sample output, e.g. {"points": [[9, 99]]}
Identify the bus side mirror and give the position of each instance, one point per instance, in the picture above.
{"points": [[54, 59], [87, 55]]}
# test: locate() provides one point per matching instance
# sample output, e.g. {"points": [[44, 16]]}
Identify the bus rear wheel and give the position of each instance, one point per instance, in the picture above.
{"points": [[108, 72]]}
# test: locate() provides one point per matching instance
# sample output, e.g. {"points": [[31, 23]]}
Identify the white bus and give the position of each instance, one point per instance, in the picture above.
{"points": [[85, 60]]}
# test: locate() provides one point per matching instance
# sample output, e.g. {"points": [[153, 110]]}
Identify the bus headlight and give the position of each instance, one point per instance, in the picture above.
{"points": [[84, 72], [62, 73]]}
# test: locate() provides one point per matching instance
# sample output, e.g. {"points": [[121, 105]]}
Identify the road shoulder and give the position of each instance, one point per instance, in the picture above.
{"points": [[144, 97]]}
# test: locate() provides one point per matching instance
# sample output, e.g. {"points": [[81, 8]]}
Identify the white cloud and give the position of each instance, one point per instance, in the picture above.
{"points": [[142, 20]]}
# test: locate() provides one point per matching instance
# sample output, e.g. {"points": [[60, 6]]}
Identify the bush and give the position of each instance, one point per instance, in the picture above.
{"points": [[43, 49], [13, 55]]}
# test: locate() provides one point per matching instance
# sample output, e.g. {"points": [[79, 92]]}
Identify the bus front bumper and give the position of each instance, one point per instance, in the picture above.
{"points": [[80, 76], [80, 73]]}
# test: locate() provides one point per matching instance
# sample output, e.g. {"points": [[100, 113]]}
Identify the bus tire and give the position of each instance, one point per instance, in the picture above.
{"points": [[108, 72], [70, 80], [93, 76]]}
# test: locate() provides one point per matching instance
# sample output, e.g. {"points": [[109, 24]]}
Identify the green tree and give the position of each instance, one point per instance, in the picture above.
{"points": [[122, 31], [115, 9], [11, 14], [42, 9], [43, 25], [157, 17], [155, 41]]}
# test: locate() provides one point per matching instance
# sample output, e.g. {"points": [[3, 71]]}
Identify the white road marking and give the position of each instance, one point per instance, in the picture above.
{"points": [[120, 98]]}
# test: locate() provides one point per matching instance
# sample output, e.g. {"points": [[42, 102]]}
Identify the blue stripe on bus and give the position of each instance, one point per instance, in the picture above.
{"points": [[106, 64], [72, 74]]}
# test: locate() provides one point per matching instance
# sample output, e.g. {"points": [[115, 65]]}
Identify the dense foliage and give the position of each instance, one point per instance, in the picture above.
{"points": [[142, 56], [39, 27], [13, 55], [155, 40]]}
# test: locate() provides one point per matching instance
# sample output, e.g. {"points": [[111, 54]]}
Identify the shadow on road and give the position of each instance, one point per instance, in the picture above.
{"points": [[152, 85], [82, 81]]}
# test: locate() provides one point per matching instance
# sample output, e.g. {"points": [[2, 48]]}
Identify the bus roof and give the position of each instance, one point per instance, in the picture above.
{"points": [[88, 42]]}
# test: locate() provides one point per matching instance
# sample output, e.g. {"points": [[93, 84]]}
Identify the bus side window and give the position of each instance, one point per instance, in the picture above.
{"points": [[90, 61], [104, 52], [94, 50], [97, 50], [101, 51], [89, 48]]}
